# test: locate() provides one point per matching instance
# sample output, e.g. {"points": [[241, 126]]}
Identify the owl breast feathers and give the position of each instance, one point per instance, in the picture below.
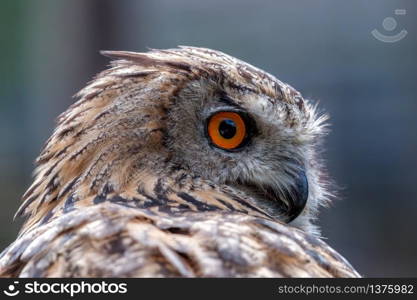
{"points": [[179, 162]]}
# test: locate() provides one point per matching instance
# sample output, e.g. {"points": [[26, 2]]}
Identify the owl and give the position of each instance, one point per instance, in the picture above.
{"points": [[184, 162]]}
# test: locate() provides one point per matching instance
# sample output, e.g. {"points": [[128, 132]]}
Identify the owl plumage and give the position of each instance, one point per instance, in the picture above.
{"points": [[132, 183]]}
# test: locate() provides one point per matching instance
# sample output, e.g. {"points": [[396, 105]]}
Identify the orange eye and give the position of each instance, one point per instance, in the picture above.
{"points": [[227, 130]]}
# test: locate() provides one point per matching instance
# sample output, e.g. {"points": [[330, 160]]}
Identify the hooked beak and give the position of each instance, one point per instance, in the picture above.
{"points": [[285, 204], [296, 198]]}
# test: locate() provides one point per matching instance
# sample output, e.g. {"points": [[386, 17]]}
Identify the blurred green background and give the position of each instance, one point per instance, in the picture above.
{"points": [[324, 48]]}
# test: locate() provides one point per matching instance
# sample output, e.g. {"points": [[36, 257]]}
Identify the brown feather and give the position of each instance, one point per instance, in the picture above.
{"points": [[113, 197]]}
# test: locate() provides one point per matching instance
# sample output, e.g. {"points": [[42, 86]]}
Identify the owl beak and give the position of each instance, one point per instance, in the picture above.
{"points": [[295, 199], [284, 204]]}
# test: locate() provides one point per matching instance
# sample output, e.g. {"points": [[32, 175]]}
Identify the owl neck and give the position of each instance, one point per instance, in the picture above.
{"points": [[169, 193]]}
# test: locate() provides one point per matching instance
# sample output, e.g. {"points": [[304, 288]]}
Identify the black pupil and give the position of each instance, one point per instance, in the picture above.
{"points": [[227, 129]]}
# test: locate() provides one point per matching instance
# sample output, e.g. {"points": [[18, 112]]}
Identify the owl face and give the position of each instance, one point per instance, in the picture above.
{"points": [[243, 141]]}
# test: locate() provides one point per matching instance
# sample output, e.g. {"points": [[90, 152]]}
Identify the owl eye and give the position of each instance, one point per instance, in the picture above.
{"points": [[227, 130]]}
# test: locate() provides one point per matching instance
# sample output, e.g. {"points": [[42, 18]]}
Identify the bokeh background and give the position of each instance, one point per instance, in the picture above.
{"points": [[324, 48]]}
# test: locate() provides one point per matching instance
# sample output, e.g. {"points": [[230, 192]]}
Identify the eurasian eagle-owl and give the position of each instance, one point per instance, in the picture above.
{"points": [[178, 162]]}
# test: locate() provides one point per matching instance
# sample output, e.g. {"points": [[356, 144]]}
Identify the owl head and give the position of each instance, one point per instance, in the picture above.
{"points": [[184, 129]]}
